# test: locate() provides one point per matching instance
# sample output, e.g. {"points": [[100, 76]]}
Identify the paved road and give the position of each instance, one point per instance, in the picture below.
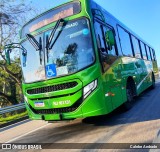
{"points": [[139, 125]]}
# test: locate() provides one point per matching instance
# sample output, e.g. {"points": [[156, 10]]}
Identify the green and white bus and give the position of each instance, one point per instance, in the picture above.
{"points": [[79, 61]]}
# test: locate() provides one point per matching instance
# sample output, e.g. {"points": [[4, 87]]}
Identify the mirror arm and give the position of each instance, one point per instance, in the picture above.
{"points": [[7, 54], [9, 47]]}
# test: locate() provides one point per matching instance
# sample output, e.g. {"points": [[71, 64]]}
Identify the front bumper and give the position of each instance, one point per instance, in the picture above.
{"points": [[93, 105]]}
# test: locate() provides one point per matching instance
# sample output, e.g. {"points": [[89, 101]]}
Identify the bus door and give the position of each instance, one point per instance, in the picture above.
{"points": [[111, 66]]}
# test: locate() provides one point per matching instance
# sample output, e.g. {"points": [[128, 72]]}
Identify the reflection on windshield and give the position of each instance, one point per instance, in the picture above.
{"points": [[75, 53], [71, 52], [34, 70]]}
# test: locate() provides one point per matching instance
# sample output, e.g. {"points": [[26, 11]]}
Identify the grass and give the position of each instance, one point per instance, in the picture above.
{"points": [[10, 117]]}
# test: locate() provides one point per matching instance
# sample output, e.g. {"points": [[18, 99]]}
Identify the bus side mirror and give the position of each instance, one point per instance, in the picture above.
{"points": [[8, 50], [109, 36], [7, 55]]}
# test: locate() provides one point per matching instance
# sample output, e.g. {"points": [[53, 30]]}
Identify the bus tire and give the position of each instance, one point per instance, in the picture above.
{"points": [[130, 93], [153, 81]]}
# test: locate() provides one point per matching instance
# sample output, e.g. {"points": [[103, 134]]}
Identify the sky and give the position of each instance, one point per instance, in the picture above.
{"points": [[141, 16]]}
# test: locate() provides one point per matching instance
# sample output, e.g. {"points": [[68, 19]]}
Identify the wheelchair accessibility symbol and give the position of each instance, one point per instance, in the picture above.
{"points": [[51, 70]]}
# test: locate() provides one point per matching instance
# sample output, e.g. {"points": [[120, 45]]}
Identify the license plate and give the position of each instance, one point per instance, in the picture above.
{"points": [[39, 104]]}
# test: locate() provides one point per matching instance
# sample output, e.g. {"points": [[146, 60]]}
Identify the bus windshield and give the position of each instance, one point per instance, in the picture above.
{"points": [[72, 52]]}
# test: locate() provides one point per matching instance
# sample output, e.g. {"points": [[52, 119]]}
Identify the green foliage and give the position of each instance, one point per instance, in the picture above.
{"points": [[13, 15]]}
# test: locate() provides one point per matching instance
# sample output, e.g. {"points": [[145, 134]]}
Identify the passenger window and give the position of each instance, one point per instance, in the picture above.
{"points": [[148, 53], [125, 42], [136, 47], [144, 55], [153, 54]]}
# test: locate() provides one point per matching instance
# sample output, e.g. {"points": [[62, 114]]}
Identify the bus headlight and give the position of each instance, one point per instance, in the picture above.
{"points": [[87, 90]]}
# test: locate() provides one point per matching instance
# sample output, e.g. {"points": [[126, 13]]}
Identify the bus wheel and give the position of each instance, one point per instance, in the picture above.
{"points": [[153, 81], [130, 96]]}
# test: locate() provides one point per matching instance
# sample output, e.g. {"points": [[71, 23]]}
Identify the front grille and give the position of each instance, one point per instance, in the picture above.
{"points": [[58, 110], [56, 87]]}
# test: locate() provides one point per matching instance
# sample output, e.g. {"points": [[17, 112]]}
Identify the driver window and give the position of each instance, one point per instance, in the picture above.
{"points": [[107, 53], [110, 49]]}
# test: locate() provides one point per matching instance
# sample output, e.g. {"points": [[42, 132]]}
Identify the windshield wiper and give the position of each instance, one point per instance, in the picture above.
{"points": [[33, 41], [36, 45], [49, 43], [40, 50]]}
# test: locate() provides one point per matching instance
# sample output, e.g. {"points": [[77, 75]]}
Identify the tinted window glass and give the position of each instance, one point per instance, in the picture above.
{"points": [[125, 42], [107, 55], [153, 54], [71, 52], [110, 49], [148, 53], [99, 36], [143, 51], [151, 50], [136, 47]]}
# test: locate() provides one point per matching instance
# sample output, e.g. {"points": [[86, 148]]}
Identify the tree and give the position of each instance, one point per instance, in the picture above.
{"points": [[13, 14]]}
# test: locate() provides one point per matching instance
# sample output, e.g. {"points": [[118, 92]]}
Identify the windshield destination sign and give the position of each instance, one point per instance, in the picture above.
{"points": [[62, 14], [52, 16]]}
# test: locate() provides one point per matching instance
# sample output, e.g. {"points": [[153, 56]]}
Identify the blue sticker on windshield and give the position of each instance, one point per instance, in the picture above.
{"points": [[51, 70], [85, 31]]}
